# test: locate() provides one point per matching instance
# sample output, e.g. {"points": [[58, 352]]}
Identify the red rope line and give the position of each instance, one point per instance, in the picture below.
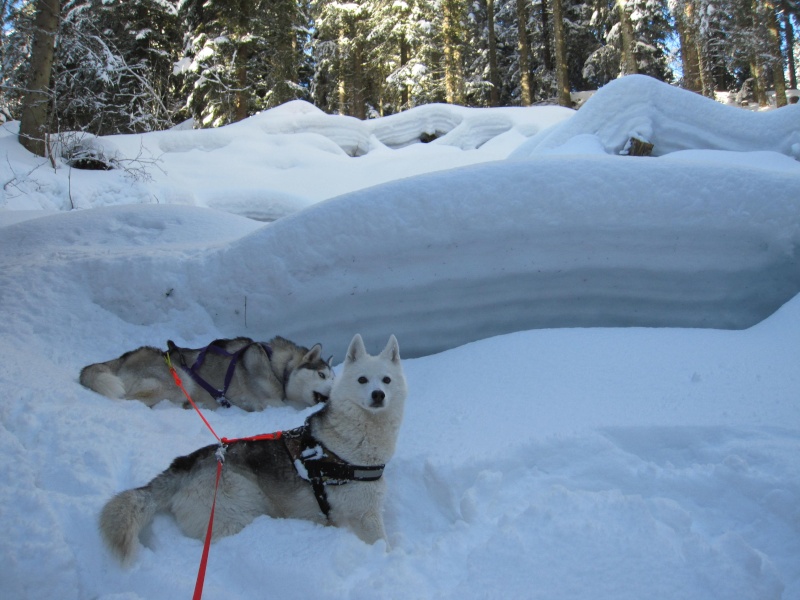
{"points": [[255, 438], [201, 572], [179, 383]]}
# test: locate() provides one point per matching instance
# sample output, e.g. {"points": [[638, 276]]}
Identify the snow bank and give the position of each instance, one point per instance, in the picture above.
{"points": [[447, 259], [696, 238], [272, 164], [671, 119]]}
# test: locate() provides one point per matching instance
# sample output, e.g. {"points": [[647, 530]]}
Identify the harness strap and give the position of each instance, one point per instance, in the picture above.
{"points": [[321, 467], [193, 371], [179, 383]]}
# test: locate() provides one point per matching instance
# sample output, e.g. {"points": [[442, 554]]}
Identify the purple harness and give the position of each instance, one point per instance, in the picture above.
{"points": [[216, 348]]}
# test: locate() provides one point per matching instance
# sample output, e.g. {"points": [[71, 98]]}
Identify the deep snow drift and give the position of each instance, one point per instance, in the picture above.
{"points": [[271, 164], [543, 463]]}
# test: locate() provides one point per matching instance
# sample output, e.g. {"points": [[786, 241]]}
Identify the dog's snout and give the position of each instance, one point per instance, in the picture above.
{"points": [[378, 396]]}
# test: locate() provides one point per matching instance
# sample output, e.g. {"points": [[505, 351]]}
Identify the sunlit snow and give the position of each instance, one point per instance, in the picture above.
{"points": [[602, 350]]}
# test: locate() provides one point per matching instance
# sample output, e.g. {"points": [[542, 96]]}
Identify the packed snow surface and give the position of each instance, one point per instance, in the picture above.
{"points": [[546, 451]]}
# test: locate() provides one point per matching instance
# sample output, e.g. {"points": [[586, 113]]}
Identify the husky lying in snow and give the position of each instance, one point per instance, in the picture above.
{"points": [[240, 372], [328, 471]]}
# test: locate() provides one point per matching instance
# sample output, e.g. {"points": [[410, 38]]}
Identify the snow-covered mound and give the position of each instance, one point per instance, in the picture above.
{"points": [[671, 119], [464, 128], [696, 238], [272, 164], [450, 258]]}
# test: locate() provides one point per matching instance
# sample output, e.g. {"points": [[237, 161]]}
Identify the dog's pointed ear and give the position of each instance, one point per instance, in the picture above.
{"points": [[313, 355], [356, 349], [392, 350]]}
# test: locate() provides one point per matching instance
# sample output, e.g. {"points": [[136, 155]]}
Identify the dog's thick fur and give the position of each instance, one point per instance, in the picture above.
{"points": [[293, 375], [359, 423]]}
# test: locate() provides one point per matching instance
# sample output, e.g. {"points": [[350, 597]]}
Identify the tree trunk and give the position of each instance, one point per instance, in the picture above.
{"points": [[405, 92], [562, 70], [494, 79], [523, 47], [706, 76], [547, 51], [342, 74], [359, 105], [776, 56], [628, 64], [284, 61], [241, 97], [690, 57], [757, 72], [33, 125], [453, 55], [789, 29]]}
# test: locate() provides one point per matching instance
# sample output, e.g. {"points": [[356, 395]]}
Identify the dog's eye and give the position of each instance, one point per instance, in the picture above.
{"points": [[362, 379], [321, 374], [387, 380]]}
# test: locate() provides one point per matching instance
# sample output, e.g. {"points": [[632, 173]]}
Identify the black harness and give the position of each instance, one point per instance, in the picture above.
{"points": [[321, 467], [216, 348]]}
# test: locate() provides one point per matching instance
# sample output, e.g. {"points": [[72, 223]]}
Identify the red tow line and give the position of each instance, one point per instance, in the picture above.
{"points": [[201, 572]]}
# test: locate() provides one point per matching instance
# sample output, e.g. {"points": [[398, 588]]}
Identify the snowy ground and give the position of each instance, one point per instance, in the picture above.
{"points": [[547, 451]]}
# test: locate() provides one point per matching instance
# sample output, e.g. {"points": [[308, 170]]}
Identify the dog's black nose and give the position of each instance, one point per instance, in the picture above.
{"points": [[378, 397]]}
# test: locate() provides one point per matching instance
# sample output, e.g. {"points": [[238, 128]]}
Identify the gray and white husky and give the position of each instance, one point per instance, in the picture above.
{"points": [[329, 470], [240, 372]]}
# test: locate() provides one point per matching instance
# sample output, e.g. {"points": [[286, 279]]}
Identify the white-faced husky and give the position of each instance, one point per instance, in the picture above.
{"points": [[228, 372], [329, 470]]}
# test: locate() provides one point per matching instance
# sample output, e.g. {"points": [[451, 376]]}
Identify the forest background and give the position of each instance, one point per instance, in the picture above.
{"points": [[127, 66]]}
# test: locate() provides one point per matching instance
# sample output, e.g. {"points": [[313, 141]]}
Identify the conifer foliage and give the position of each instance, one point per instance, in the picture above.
{"points": [[123, 66], [241, 56]]}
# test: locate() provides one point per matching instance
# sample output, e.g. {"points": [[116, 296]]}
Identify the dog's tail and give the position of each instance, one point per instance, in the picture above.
{"points": [[100, 378], [123, 517]]}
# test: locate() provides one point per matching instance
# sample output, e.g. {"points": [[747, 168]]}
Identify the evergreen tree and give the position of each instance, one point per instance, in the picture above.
{"points": [[685, 25], [524, 49], [788, 8], [241, 56], [15, 54], [113, 66], [773, 57], [119, 65], [633, 36], [453, 27], [729, 41], [491, 42], [560, 46], [340, 47], [395, 54], [581, 39]]}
